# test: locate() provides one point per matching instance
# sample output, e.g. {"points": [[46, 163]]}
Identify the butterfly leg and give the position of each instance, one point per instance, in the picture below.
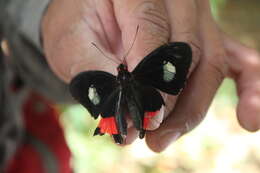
{"points": [[146, 122], [118, 139]]}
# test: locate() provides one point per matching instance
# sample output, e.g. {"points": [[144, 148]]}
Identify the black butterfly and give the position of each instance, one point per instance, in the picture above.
{"points": [[112, 97]]}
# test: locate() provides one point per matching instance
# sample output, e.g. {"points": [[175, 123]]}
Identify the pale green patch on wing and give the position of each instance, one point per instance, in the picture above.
{"points": [[93, 95], [169, 71]]}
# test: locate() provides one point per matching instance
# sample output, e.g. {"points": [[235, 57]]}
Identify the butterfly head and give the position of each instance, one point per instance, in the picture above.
{"points": [[122, 68]]}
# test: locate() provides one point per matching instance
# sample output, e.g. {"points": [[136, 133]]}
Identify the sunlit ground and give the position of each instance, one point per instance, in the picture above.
{"points": [[217, 145]]}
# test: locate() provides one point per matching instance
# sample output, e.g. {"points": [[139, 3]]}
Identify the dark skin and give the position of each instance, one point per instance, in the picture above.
{"points": [[69, 27]]}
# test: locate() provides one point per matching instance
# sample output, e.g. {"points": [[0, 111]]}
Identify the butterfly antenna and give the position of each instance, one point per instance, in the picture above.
{"points": [[127, 53], [117, 62]]}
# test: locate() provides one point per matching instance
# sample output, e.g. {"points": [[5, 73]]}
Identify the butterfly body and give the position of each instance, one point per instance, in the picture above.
{"points": [[133, 93]]}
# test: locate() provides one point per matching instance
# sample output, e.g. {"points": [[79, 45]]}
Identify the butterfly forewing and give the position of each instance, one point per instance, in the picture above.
{"points": [[166, 68], [93, 88]]}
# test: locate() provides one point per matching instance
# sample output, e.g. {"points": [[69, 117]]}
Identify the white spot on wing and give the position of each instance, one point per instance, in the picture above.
{"points": [[169, 71], [93, 95]]}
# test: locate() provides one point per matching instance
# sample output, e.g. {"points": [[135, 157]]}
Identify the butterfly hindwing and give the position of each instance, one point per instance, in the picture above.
{"points": [[152, 102], [144, 102], [135, 105], [115, 107], [92, 89], [166, 68]]}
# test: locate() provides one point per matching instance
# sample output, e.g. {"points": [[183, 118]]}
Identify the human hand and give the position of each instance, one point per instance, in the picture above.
{"points": [[69, 27]]}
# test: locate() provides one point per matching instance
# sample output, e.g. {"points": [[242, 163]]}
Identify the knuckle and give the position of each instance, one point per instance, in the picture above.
{"points": [[152, 16], [191, 38], [253, 60], [187, 127], [196, 54], [216, 65]]}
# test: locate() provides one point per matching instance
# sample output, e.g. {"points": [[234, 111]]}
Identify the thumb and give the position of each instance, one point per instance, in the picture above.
{"points": [[151, 17], [67, 38]]}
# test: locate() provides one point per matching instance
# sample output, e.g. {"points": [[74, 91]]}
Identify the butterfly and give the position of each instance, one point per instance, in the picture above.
{"points": [[113, 97]]}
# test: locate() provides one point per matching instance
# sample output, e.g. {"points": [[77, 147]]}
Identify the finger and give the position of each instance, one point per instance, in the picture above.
{"points": [[155, 121], [195, 99], [183, 27], [106, 14], [244, 68], [151, 17], [67, 37], [190, 108], [132, 134]]}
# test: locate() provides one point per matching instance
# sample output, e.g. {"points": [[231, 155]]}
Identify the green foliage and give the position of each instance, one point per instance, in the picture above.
{"points": [[89, 152], [216, 5], [226, 94]]}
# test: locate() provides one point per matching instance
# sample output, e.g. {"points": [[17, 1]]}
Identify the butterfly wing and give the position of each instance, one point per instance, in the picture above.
{"points": [[100, 93], [166, 68], [92, 89], [144, 102], [113, 116]]}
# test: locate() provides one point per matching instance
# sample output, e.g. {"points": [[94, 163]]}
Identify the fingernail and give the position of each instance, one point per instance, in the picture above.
{"points": [[168, 138], [252, 127]]}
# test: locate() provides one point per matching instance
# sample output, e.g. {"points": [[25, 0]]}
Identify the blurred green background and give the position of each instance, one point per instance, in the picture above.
{"points": [[218, 145]]}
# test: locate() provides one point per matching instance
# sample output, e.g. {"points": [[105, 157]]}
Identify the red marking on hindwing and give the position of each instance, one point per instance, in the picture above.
{"points": [[108, 125], [147, 117]]}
